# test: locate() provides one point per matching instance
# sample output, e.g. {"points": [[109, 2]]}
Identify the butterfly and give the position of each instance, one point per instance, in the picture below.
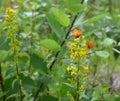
{"points": [[76, 32]]}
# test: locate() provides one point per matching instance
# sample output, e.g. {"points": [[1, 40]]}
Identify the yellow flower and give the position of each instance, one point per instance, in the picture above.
{"points": [[86, 68], [68, 68], [72, 46], [81, 89], [78, 48], [83, 53], [73, 55], [76, 39], [9, 11], [73, 72]]}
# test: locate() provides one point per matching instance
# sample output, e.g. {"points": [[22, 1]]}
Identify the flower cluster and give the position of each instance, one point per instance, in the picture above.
{"points": [[12, 29], [78, 48], [78, 70], [10, 15]]}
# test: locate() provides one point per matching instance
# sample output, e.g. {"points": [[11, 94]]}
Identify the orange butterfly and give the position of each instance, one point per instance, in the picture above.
{"points": [[76, 32], [90, 44]]}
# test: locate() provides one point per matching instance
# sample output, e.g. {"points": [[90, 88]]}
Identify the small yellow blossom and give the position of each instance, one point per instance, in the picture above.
{"points": [[86, 68], [83, 53], [72, 46], [73, 72], [77, 39], [81, 89], [10, 11], [73, 55], [78, 48], [68, 68]]}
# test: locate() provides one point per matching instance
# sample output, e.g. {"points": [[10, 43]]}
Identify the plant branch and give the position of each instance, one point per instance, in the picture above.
{"points": [[20, 88], [78, 80], [63, 42], [57, 53], [37, 93], [67, 34]]}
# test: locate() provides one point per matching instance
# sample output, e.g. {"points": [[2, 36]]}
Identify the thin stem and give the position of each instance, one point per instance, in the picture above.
{"points": [[32, 29], [58, 52], [56, 55], [17, 71], [37, 93], [63, 42], [1, 83], [20, 88], [78, 80], [67, 34]]}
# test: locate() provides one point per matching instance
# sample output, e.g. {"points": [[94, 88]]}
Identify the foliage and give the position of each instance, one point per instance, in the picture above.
{"points": [[59, 50]]}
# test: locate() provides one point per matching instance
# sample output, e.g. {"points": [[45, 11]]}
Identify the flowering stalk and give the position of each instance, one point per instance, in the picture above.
{"points": [[78, 70], [14, 43]]}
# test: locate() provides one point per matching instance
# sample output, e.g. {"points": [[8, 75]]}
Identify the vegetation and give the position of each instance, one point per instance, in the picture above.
{"points": [[59, 50]]}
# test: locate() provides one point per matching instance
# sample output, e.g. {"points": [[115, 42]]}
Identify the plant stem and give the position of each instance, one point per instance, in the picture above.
{"points": [[56, 55], [1, 83], [58, 52], [20, 88], [32, 29], [37, 93], [78, 80], [62, 43]]}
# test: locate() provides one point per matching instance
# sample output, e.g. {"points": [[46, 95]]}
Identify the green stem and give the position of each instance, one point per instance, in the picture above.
{"points": [[17, 71], [63, 42], [78, 80], [20, 88], [1, 83], [32, 29]]}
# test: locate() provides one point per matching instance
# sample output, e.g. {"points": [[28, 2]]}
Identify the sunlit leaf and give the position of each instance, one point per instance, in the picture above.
{"points": [[103, 54], [96, 18], [50, 44], [55, 26], [74, 6], [60, 16], [108, 42], [116, 50]]}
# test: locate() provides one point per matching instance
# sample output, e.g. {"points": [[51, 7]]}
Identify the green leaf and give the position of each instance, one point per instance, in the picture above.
{"points": [[96, 18], [2, 94], [55, 26], [3, 55], [4, 42], [103, 54], [0, 3], [108, 42], [23, 57], [74, 6], [116, 50], [3, 25], [27, 82], [117, 99], [60, 16], [50, 44], [109, 97], [118, 43], [38, 63], [3, 37]]}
